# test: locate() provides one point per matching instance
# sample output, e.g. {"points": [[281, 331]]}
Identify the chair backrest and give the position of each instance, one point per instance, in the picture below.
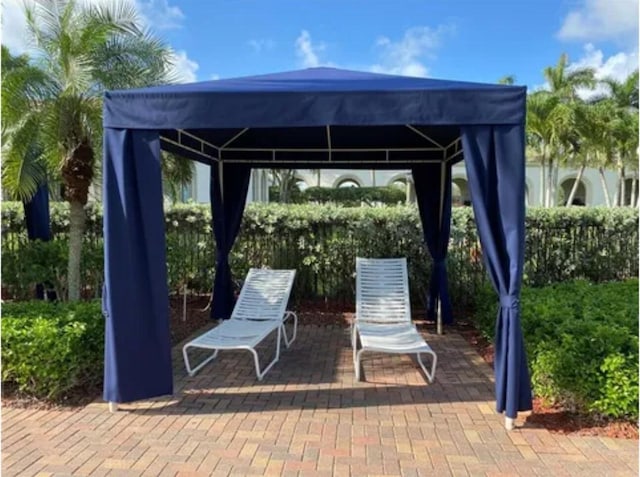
{"points": [[382, 290], [264, 295]]}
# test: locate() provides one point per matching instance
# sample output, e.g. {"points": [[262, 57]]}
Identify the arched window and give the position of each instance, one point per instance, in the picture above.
{"points": [[564, 191], [400, 183], [348, 183], [301, 184], [460, 192], [630, 195]]}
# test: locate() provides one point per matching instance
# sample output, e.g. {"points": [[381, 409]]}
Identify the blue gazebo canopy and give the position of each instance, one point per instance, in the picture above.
{"points": [[313, 118]]}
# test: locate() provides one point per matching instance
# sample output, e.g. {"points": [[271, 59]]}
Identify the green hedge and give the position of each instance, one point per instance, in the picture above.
{"points": [[321, 242], [48, 350], [345, 196], [582, 343]]}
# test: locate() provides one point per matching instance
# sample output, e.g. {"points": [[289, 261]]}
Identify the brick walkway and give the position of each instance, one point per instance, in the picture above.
{"points": [[308, 417]]}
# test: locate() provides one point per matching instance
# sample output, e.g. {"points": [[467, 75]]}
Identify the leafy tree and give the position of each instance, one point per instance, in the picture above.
{"points": [[564, 84], [54, 102], [508, 80]]}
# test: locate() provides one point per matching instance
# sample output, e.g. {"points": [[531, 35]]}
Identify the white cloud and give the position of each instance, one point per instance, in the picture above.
{"points": [[14, 26], [618, 67], [156, 14], [407, 55], [215, 77], [159, 15], [602, 20], [261, 44], [309, 52], [184, 68]]}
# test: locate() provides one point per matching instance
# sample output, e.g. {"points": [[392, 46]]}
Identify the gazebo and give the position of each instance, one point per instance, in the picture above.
{"points": [[312, 118]]}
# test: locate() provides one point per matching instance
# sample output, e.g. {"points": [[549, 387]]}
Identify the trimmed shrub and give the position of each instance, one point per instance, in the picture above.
{"points": [[322, 241], [48, 350], [582, 343], [354, 196]]}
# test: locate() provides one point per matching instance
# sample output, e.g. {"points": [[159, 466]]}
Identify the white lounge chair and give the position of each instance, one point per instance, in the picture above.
{"points": [[259, 311], [383, 313]]}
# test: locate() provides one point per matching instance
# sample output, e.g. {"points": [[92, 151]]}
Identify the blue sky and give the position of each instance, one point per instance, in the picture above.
{"points": [[473, 40]]}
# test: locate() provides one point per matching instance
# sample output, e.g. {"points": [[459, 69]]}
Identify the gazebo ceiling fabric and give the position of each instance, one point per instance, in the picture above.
{"points": [[314, 118]]}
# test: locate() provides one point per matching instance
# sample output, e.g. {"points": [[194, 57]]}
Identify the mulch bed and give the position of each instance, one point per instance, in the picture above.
{"points": [[554, 419]]}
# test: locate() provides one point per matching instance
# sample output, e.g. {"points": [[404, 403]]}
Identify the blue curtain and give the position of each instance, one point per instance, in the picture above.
{"points": [[135, 297], [428, 181], [36, 216], [228, 199], [494, 157]]}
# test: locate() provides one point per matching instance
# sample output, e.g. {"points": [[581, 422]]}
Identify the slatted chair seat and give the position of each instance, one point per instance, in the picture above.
{"points": [[383, 313], [259, 311]]}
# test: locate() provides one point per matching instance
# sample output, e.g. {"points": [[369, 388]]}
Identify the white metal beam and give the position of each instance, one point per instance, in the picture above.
{"points": [[188, 148], [196, 138], [346, 163], [425, 136], [333, 149], [224, 146]]}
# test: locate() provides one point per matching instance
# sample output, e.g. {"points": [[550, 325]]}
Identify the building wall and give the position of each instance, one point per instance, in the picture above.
{"points": [[258, 187]]}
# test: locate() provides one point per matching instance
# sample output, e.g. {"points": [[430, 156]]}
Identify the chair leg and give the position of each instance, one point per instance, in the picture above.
{"points": [[354, 342], [434, 359], [193, 371], [356, 362], [260, 374], [288, 315]]}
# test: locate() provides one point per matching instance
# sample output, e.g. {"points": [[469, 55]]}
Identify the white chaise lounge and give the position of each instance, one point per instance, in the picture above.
{"points": [[259, 311], [383, 313]]}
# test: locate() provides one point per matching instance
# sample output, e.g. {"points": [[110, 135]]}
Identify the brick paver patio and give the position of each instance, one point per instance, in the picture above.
{"points": [[308, 417]]}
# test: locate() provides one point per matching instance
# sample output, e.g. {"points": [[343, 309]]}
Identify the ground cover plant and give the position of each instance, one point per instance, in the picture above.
{"points": [[52, 350], [582, 344]]}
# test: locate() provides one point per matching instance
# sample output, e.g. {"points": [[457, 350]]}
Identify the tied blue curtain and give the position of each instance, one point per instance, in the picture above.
{"points": [[228, 189], [495, 161], [428, 181], [135, 296], [36, 216]]}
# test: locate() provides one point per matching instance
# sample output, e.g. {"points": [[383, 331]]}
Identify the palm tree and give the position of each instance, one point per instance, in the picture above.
{"points": [[587, 128], [624, 96], [564, 83], [547, 119], [55, 101], [508, 79]]}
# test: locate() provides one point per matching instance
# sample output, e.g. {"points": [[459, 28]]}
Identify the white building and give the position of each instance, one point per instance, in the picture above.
{"points": [[590, 190]]}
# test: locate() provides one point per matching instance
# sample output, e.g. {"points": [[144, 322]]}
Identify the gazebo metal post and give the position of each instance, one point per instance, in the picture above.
{"points": [[443, 174]]}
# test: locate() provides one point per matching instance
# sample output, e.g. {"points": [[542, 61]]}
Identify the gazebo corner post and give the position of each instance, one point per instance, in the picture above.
{"points": [[443, 174], [509, 423]]}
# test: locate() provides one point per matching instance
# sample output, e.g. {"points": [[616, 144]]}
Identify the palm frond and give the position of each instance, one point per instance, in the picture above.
{"points": [[23, 170]]}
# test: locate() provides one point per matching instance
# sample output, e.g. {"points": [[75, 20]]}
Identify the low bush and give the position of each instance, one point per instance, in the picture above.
{"points": [[51, 349], [354, 196], [581, 341], [322, 241]]}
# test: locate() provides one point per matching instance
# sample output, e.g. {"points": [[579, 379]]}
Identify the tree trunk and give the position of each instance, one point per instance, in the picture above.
{"points": [[554, 190], [76, 233], [576, 183], [548, 196], [373, 178], [605, 189], [634, 186], [542, 181], [622, 197], [318, 177]]}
